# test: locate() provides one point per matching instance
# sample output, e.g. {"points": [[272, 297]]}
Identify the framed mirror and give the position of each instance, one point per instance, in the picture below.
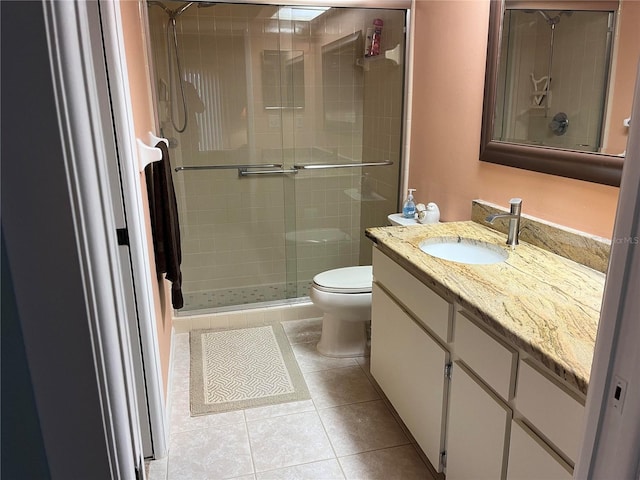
{"points": [[283, 79], [547, 89]]}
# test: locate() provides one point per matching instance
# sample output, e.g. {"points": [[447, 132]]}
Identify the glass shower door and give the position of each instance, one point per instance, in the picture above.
{"points": [[267, 93], [231, 213], [352, 118]]}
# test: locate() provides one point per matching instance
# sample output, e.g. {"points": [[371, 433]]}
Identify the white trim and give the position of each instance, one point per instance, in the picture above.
{"points": [[408, 103], [76, 76], [132, 192], [611, 444]]}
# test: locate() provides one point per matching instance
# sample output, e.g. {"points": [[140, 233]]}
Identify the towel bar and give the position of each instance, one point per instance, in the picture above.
{"points": [[148, 154]]}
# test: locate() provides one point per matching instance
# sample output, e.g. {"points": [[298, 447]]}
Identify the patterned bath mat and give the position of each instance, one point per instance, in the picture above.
{"points": [[244, 368]]}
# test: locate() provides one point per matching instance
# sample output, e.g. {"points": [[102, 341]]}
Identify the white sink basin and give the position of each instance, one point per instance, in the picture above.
{"points": [[464, 250]]}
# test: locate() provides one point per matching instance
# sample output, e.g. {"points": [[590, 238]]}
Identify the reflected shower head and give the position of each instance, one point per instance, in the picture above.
{"points": [[173, 14], [551, 20], [179, 11]]}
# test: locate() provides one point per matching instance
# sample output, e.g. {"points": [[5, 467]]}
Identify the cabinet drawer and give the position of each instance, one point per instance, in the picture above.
{"points": [[487, 356], [551, 409], [531, 459], [428, 307]]}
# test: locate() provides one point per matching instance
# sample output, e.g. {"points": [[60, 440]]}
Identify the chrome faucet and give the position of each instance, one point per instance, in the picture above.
{"points": [[514, 220]]}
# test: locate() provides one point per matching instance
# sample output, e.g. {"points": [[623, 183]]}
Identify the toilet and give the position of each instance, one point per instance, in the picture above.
{"points": [[344, 296]]}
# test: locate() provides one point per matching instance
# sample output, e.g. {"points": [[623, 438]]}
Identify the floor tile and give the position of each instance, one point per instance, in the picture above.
{"points": [[361, 427], [325, 470], [310, 360], [210, 453], [346, 417], [303, 331], [158, 469], [397, 462], [289, 440], [182, 421], [180, 381], [271, 411], [339, 386]]}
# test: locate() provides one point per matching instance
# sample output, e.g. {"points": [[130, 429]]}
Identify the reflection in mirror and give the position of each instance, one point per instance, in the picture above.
{"points": [[283, 79], [546, 88], [553, 77]]}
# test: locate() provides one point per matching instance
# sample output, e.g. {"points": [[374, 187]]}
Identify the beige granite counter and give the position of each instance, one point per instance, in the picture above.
{"points": [[542, 303]]}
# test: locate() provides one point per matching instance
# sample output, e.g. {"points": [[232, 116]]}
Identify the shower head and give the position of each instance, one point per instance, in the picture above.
{"points": [[552, 21], [179, 11], [173, 14]]}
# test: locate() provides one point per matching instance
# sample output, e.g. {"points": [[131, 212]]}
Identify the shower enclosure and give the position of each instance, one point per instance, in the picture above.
{"points": [[286, 138]]}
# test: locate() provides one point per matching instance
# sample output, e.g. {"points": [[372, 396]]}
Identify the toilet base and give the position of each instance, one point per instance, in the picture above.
{"points": [[343, 338]]}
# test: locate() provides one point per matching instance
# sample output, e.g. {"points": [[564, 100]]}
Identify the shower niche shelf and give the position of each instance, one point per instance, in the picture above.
{"points": [[393, 54]]}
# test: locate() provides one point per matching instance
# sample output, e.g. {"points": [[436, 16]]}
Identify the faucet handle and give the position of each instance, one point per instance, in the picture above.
{"points": [[516, 206]]}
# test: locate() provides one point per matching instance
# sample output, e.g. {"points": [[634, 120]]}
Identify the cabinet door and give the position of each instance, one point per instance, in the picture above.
{"points": [[531, 459], [477, 431], [409, 366]]}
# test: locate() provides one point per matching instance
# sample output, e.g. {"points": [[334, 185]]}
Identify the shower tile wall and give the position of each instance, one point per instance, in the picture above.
{"points": [[579, 73], [234, 230]]}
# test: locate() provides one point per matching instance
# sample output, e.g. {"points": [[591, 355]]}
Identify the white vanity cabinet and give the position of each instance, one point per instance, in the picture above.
{"points": [[478, 429], [407, 360], [501, 414]]}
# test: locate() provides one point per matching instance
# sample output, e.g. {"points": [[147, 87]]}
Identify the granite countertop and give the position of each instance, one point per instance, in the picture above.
{"points": [[542, 303]]}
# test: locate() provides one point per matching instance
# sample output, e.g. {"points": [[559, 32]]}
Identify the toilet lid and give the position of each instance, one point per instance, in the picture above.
{"points": [[345, 280]]}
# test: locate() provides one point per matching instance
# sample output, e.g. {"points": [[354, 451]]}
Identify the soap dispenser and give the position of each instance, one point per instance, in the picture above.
{"points": [[409, 207]]}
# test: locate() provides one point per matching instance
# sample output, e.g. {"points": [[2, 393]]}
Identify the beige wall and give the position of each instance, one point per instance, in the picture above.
{"points": [[135, 49], [450, 52]]}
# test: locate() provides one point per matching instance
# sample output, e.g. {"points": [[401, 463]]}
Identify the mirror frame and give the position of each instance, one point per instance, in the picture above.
{"points": [[589, 166]]}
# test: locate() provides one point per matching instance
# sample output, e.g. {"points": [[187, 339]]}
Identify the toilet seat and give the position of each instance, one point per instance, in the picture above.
{"points": [[345, 280]]}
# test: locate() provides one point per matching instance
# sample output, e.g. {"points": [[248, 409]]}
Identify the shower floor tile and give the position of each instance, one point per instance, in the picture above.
{"points": [[346, 431], [243, 295]]}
